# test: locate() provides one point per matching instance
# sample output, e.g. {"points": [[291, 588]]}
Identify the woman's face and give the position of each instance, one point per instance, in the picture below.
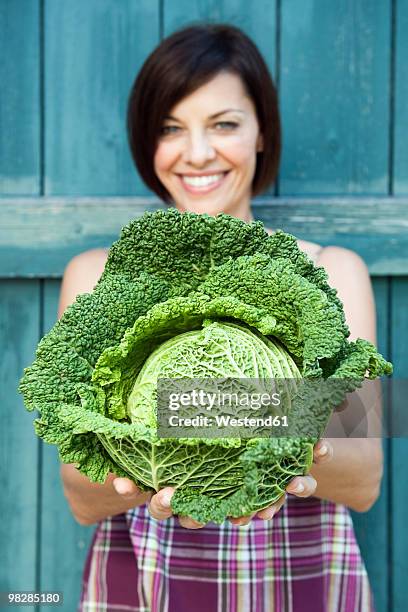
{"points": [[206, 154]]}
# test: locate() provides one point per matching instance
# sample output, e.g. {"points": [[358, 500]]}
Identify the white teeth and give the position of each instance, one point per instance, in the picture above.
{"points": [[202, 181]]}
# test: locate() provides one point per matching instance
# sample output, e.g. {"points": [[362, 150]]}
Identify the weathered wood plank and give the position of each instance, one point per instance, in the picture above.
{"points": [[38, 236], [19, 334], [20, 97], [88, 79], [400, 185], [372, 527], [334, 97], [62, 558], [259, 24], [399, 488]]}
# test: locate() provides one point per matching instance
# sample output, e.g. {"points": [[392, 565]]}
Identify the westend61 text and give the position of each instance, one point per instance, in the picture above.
{"points": [[228, 421]]}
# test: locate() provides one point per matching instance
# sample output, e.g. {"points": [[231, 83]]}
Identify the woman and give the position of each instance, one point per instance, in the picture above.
{"points": [[204, 132]]}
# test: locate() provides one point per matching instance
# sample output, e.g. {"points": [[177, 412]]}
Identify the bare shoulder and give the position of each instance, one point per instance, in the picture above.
{"points": [[312, 249], [81, 275], [345, 268], [336, 259]]}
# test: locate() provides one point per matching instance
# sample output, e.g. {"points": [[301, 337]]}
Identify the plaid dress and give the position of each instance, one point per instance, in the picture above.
{"points": [[305, 560]]}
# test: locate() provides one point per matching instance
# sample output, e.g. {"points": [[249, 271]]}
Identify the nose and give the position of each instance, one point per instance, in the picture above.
{"points": [[198, 149]]}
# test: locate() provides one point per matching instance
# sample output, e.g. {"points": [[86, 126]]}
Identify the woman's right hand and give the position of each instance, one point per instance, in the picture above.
{"points": [[91, 502]]}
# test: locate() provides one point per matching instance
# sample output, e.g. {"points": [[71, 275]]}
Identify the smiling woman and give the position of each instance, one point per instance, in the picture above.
{"points": [[204, 132]]}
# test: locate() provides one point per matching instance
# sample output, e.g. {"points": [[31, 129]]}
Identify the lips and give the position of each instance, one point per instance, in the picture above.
{"points": [[199, 189]]}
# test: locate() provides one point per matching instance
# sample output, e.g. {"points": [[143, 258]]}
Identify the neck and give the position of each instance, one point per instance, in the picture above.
{"points": [[242, 212], [245, 214]]}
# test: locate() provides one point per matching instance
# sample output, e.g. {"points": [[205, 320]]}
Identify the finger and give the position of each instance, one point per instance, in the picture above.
{"points": [[322, 452], [241, 521], [302, 486], [189, 523], [159, 506], [268, 513], [125, 488]]}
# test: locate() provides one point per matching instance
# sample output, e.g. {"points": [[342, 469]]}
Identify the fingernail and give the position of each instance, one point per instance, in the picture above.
{"points": [[121, 487], [299, 488], [166, 499], [322, 450]]}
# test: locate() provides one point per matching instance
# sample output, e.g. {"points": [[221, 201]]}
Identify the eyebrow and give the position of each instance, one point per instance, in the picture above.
{"points": [[227, 110]]}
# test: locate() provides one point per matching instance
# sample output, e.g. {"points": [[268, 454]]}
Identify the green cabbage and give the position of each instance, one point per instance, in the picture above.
{"points": [[216, 351], [194, 296]]}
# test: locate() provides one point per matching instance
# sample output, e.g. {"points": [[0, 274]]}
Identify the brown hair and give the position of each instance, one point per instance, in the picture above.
{"points": [[180, 64]]}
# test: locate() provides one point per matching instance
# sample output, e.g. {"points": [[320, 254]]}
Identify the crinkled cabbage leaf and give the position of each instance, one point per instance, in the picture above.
{"points": [[194, 296]]}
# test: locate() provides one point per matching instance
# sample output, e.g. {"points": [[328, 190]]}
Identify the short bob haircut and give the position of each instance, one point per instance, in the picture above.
{"points": [[183, 62]]}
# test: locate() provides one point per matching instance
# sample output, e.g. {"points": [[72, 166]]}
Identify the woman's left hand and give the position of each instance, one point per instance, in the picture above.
{"points": [[301, 486]]}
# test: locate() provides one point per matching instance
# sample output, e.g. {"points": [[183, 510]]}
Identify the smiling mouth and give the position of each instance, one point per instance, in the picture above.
{"points": [[202, 184]]}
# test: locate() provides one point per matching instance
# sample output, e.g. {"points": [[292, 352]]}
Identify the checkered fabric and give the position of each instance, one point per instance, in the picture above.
{"points": [[305, 560]]}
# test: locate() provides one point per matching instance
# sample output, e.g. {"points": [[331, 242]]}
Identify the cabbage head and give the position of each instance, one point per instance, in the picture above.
{"points": [[186, 296]]}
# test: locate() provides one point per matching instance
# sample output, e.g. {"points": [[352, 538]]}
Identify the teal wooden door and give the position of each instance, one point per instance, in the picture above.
{"points": [[67, 184]]}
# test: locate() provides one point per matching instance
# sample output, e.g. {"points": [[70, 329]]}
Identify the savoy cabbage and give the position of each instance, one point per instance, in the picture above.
{"points": [[186, 295]]}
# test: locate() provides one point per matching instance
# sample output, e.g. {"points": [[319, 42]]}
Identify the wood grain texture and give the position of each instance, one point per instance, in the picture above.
{"points": [[20, 97], [39, 236], [19, 334], [400, 175], [399, 455], [334, 97], [260, 25], [372, 527], [88, 77]]}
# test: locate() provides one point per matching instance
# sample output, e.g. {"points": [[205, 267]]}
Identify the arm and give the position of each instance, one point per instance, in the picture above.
{"points": [[89, 501], [354, 475]]}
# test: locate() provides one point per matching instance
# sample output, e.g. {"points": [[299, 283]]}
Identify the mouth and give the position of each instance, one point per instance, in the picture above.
{"points": [[202, 184]]}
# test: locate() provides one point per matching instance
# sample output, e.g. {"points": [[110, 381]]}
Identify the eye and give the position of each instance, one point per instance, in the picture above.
{"points": [[230, 125], [167, 129], [224, 125]]}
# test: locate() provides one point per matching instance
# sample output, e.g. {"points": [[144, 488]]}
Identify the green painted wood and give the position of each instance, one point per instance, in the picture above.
{"points": [[372, 527], [335, 97], [64, 543], [93, 51], [19, 97], [19, 334], [399, 455], [39, 236], [401, 96], [259, 24], [332, 62]]}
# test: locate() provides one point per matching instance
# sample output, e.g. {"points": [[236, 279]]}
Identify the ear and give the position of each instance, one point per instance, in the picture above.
{"points": [[259, 144]]}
